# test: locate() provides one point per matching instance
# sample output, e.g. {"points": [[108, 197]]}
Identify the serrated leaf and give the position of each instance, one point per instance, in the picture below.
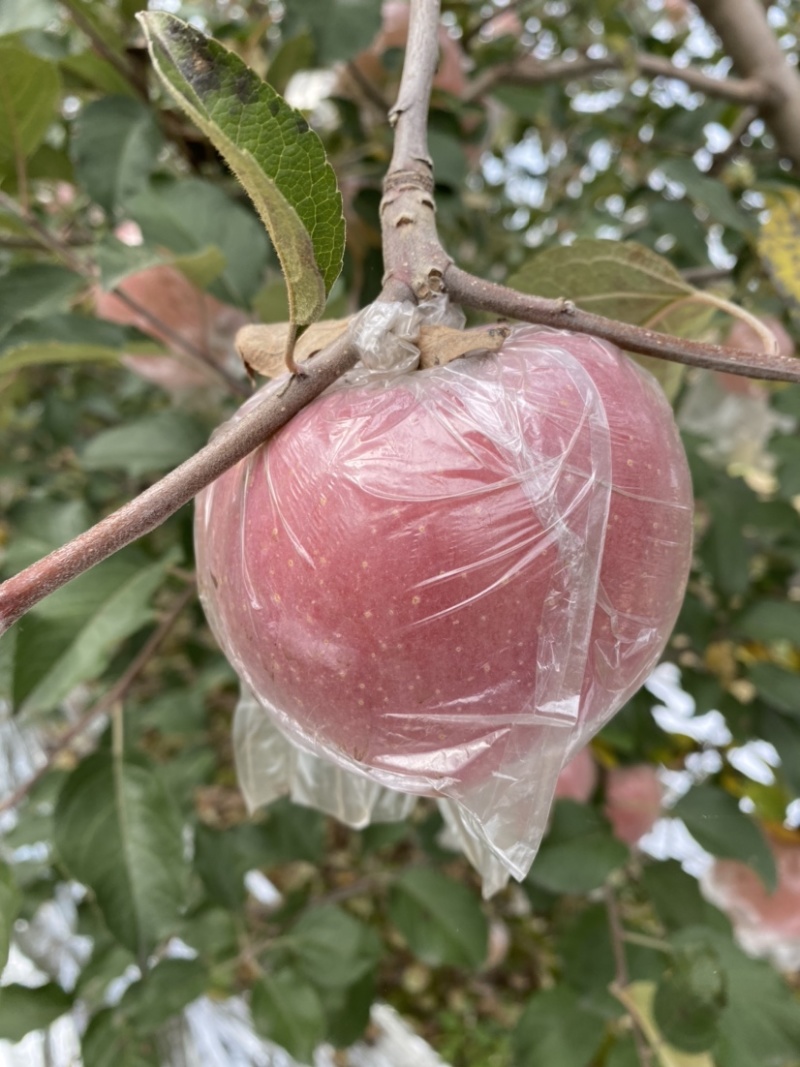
{"points": [[65, 653], [333, 949], [690, 998], [441, 919], [779, 242], [23, 1009], [716, 822], [556, 1029], [118, 832], [286, 1008], [269, 146], [622, 280], [152, 444], [10, 900], [114, 148], [29, 93]]}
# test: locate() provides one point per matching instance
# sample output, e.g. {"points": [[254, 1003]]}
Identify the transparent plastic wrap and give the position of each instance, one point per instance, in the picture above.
{"points": [[448, 580]]}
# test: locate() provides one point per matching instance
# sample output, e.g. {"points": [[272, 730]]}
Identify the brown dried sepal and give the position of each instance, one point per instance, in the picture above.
{"points": [[263, 348]]}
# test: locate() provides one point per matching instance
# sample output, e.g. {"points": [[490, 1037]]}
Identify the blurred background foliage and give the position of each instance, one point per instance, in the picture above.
{"points": [[147, 917]]}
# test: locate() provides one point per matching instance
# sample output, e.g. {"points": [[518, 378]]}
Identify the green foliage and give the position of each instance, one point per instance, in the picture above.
{"points": [[604, 192], [269, 146]]}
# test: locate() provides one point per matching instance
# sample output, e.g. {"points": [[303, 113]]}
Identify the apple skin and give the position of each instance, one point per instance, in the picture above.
{"points": [[407, 571]]}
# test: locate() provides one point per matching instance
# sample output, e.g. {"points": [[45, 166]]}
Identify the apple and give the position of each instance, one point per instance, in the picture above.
{"points": [[634, 796], [429, 576], [766, 924], [578, 778], [178, 307]]}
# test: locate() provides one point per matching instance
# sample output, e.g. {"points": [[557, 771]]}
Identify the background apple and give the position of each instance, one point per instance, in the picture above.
{"points": [[407, 574], [199, 318], [634, 796]]}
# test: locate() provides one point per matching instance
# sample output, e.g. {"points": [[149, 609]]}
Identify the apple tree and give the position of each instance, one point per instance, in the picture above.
{"points": [[198, 199]]}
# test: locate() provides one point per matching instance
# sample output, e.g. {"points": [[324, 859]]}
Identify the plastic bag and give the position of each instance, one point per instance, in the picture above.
{"points": [[448, 580]]}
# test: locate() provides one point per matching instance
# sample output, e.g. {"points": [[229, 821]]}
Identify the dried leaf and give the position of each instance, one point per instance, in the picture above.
{"points": [[263, 348]]}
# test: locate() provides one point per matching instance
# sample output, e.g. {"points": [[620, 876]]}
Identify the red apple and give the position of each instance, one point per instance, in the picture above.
{"points": [[178, 307], [578, 778], [766, 924], [421, 575], [634, 796]]}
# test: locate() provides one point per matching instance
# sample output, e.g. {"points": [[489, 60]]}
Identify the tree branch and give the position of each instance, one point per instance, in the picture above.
{"points": [[415, 264], [748, 39], [529, 71], [155, 505], [414, 259], [476, 293]]}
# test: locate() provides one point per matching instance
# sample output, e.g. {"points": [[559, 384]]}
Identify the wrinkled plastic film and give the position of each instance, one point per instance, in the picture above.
{"points": [[385, 333], [445, 582]]}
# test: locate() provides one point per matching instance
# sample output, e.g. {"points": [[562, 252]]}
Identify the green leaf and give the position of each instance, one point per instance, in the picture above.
{"points": [[51, 352], [777, 687], [333, 949], [676, 897], [35, 289], [64, 653], [286, 1009], [716, 822], [771, 620], [280, 161], [441, 919], [68, 337], [118, 832], [162, 993], [556, 1029], [761, 1022], [690, 999], [340, 28], [29, 94], [189, 217], [23, 1009], [155, 443], [115, 147], [107, 1043], [622, 280], [709, 193], [579, 852], [10, 900]]}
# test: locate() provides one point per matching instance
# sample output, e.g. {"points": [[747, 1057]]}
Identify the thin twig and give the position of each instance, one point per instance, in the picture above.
{"points": [[739, 128], [115, 695], [525, 70], [476, 293], [55, 245], [622, 977]]}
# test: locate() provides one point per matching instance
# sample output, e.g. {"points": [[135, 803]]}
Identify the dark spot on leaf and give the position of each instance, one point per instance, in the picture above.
{"points": [[200, 69], [245, 87], [274, 107], [302, 125]]}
